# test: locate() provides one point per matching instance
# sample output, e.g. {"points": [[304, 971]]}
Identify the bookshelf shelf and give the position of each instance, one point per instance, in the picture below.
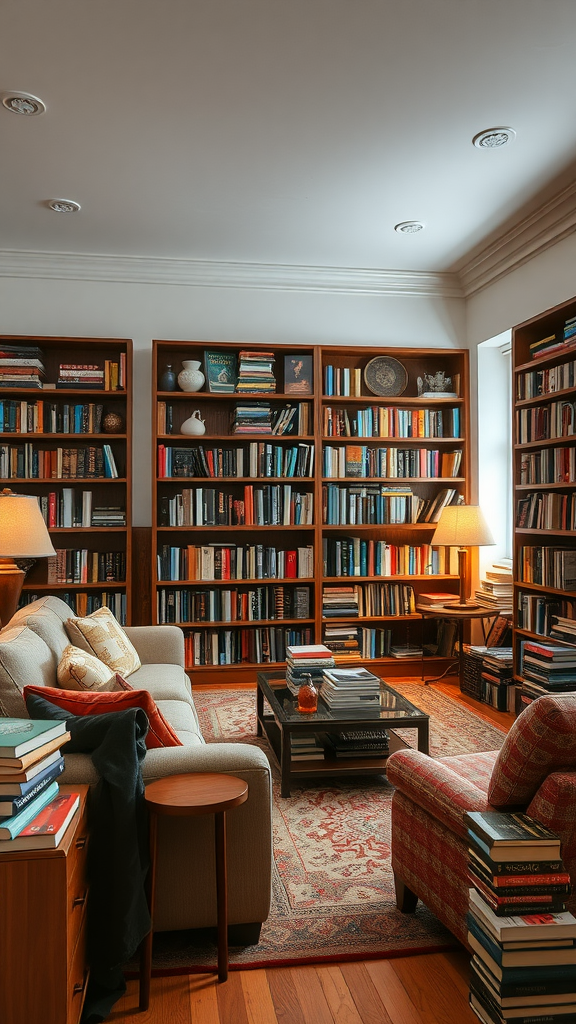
{"points": [[258, 642], [66, 497]]}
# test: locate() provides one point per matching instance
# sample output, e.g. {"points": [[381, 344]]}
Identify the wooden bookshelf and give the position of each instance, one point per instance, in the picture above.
{"points": [[544, 447], [30, 432], [217, 411]]}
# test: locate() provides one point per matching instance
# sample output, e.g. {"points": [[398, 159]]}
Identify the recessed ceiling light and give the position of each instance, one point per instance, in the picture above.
{"points": [[408, 227], [494, 138], [23, 103], [64, 205]]}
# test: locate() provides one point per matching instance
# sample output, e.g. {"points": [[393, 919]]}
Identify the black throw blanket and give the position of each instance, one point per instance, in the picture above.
{"points": [[118, 857]]}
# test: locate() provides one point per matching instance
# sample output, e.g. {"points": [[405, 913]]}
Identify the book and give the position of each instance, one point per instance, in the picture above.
{"points": [[14, 765], [488, 1012], [47, 829], [221, 371], [534, 990], [10, 777], [518, 975], [505, 831], [539, 957], [298, 375], [12, 803], [438, 599], [11, 827], [18, 736], [524, 927], [513, 867]]}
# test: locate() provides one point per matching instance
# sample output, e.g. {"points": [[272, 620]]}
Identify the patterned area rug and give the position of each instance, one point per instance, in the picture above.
{"points": [[333, 888]]}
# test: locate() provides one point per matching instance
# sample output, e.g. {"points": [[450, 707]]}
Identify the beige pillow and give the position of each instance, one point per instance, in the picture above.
{"points": [[102, 635], [78, 670]]}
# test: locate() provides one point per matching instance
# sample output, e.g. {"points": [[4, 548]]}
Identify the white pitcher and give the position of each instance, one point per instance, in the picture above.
{"points": [[194, 424]]}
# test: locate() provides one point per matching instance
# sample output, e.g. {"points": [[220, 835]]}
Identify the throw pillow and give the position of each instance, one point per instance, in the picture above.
{"points": [[101, 634], [78, 670], [160, 732]]}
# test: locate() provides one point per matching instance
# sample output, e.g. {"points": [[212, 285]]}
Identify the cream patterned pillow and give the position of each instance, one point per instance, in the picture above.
{"points": [[78, 670], [102, 635]]}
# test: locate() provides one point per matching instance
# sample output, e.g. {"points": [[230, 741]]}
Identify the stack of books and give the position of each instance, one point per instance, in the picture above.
{"points": [[306, 660], [496, 588], [563, 628], [340, 602], [524, 955], [80, 375], [33, 816], [343, 641], [350, 688], [252, 418], [305, 748], [546, 668], [108, 515], [355, 743], [440, 599], [255, 372], [406, 651], [497, 678], [21, 366]]}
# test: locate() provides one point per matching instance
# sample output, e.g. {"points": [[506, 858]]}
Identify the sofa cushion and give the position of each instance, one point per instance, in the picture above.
{"points": [[24, 658], [160, 732], [102, 635], [183, 720], [78, 670], [46, 617], [541, 740]]}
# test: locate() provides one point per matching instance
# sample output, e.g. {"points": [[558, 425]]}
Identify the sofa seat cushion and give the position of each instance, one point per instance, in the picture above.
{"points": [[182, 719], [165, 682], [24, 659]]}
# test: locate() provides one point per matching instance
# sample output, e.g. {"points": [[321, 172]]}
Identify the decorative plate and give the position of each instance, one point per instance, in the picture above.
{"points": [[385, 376]]}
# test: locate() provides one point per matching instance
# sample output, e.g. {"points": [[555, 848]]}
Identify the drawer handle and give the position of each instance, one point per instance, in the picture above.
{"points": [[81, 842], [79, 901], [78, 988]]}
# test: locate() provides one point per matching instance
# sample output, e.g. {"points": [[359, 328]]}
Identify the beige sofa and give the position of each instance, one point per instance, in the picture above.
{"points": [[30, 649]]}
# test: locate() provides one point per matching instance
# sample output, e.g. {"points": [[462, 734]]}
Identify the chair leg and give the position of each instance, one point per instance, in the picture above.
{"points": [[406, 900]]}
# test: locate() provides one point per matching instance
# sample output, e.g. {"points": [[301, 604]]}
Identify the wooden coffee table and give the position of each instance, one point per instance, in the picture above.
{"points": [[280, 719]]}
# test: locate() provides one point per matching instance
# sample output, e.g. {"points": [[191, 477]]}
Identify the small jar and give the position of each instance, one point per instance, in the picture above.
{"points": [[168, 379], [307, 697]]}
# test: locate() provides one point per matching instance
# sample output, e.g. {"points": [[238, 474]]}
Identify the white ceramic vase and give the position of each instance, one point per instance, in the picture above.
{"points": [[194, 424], [191, 377]]}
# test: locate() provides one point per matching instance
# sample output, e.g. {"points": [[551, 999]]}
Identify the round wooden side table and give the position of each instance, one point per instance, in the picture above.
{"points": [[188, 796]]}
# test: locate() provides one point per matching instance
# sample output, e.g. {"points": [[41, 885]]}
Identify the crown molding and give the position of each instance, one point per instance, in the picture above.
{"points": [[538, 231], [213, 274]]}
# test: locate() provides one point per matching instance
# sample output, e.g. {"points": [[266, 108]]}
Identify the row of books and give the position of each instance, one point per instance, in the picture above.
{"points": [[75, 565], [548, 466], [269, 505], [27, 462], [546, 668], [540, 614], [548, 510], [42, 417], [356, 556], [383, 421], [254, 646], [216, 561], [233, 605], [533, 383], [522, 937], [381, 504], [69, 509], [33, 813], [543, 422], [548, 566], [555, 343], [83, 603], [363, 461], [343, 380], [93, 376], [368, 599]]}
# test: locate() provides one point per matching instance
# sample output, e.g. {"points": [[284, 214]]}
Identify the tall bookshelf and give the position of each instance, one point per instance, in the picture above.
{"points": [[544, 438], [301, 601], [52, 445]]}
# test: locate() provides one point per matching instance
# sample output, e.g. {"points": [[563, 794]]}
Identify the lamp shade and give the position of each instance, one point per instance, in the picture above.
{"points": [[462, 526], [23, 532]]}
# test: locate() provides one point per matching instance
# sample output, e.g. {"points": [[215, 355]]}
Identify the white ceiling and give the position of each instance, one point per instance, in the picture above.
{"points": [[281, 131]]}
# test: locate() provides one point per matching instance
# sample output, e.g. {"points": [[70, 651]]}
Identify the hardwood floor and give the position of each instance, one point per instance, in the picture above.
{"points": [[426, 989]]}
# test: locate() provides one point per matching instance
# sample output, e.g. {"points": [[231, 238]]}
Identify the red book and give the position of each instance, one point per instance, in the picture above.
{"points": [[290, 565], [309, 651], [46, 830]]}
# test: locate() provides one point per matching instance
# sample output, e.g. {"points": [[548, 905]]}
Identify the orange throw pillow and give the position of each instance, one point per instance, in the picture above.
{"points": [[83, 702]]}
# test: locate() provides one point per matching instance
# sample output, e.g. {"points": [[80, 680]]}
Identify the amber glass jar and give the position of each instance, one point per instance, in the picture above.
{"points": [[307, 697]]}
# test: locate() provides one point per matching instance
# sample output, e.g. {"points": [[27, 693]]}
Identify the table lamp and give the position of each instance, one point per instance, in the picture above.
{"points": [[23, 534], [462, 527]]}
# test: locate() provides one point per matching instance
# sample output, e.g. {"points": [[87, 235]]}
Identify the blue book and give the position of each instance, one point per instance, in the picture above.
{"points": [[18, 736], [11, 827], [12, 791], [521, 958]]}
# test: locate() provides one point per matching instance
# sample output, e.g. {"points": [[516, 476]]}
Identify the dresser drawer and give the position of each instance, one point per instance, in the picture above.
{"points": [[77, 978]]}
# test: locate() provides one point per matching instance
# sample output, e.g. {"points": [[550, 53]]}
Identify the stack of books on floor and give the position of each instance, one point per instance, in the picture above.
{"points": [[546, 668], [340, 601], [343, 641], [350, 688], [359, 743], [80, 375], [497, 683], [306, 660], [255, 372], [306, 748], [252, 418], [496, 586], [21, 366], [523, 967], [33, 815]]}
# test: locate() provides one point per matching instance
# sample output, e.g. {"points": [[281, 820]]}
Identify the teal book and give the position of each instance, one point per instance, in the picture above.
{"points": [[19, 736], [221, 371], [12, 827]]}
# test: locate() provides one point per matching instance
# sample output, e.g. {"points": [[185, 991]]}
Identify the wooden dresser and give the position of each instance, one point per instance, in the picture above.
{"points": [[43, 971]]}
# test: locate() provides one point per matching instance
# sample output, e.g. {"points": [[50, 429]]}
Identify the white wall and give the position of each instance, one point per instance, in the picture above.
{"points": [[495, 445], [143, 312]]}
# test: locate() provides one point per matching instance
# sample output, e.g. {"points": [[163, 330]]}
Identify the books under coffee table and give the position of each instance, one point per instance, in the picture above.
{"points": [[342, 741]]}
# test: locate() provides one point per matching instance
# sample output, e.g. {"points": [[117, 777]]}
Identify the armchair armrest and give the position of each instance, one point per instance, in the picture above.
{"points": [[436, 788], [158, 645]]}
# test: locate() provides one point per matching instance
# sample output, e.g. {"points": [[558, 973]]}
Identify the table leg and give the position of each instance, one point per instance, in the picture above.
{"points": [[259, 711], [221, 894], [423, 737], [285, 761], [146, 947]]}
